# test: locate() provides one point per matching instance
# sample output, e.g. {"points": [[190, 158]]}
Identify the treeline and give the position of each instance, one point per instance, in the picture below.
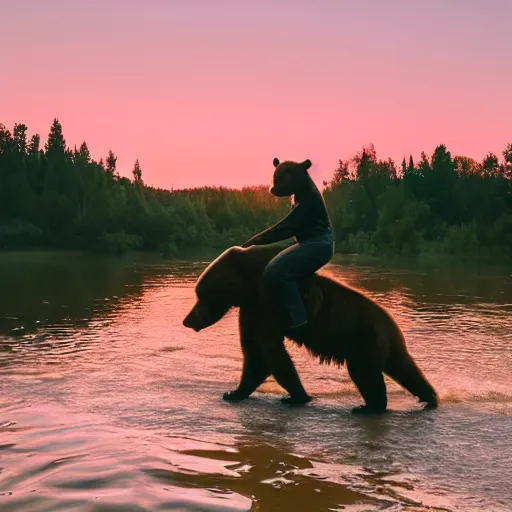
{"points": [[442, 204], [57, 197]]}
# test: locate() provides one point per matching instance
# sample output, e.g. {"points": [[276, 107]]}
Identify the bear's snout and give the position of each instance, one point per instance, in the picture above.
{"points": [[203, 315], [188, 322]]}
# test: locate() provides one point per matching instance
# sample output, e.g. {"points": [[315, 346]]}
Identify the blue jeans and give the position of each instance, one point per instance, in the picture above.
{"points": [[284, 271]]}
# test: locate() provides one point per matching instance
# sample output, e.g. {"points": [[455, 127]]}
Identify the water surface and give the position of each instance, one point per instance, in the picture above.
{"points": [[108, 403]]}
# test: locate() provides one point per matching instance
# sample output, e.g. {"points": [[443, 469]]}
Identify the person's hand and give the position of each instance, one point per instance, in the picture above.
{"points": [[245, 245]]}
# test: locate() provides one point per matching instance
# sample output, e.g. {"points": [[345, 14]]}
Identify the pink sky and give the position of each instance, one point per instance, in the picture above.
{"points": [[208, 92]]}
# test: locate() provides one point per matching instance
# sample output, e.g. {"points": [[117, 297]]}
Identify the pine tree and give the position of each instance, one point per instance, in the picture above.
{"points": [[20, 137], [56, 142], [5, 139], [84, 153], [111, 163], [35, 141], [410, 168], [137, 172]]}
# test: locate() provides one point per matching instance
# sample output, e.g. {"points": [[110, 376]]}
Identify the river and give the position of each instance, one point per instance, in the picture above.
{"points": [[108, 403]]}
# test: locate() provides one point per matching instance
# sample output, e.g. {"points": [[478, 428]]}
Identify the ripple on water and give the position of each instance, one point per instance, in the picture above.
{"points": [[84, 465], [110, 404], [80, 463]]}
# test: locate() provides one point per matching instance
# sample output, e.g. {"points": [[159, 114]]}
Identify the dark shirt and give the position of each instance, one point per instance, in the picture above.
{"points": [[307, 220]]}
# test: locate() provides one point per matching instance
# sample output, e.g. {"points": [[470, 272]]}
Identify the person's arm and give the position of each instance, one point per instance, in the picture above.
{"points": [[285, 228]]}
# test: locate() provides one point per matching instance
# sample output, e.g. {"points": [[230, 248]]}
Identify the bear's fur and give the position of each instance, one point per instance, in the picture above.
{"points": [[346, 326]]}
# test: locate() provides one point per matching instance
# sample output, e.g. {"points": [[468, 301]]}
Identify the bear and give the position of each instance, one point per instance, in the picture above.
{"points": [[347, 327]]}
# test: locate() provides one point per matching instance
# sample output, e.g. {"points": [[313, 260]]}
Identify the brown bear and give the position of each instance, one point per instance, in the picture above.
{"points": [[347, 326]]}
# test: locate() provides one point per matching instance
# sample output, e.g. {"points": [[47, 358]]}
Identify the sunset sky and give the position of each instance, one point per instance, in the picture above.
{"points": [[208, 92]]}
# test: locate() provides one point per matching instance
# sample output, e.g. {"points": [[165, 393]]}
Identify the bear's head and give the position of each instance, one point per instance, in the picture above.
{"points": [[289, 177], [218, 289], [227, 282]]}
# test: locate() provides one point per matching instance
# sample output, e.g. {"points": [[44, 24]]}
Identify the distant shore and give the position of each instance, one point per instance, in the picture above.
{"points": [[208, 253]]}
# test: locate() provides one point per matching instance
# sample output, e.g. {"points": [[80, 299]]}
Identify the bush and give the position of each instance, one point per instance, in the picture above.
{"points": [[462, 240], [18, 234], [118, 242]]}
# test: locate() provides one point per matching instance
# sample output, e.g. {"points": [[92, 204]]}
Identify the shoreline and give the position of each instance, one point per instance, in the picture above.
{"points": [[208, 253]]}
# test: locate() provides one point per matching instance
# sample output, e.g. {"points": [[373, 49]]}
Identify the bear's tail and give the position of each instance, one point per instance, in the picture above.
{"points": [[402, 368]]}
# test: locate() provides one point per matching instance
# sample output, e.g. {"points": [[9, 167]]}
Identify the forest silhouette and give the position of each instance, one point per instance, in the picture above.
{"points": [[61, 198]]}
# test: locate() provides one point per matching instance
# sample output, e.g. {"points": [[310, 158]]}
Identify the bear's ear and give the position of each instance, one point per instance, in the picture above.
{"points": [[306, 164], [275, 162]]}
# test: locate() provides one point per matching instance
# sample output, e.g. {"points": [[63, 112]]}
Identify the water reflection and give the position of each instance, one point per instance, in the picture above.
{"points": [[80, 463], [58, 292], [108, 403]]}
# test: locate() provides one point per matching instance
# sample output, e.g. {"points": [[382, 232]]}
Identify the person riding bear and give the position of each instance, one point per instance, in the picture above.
{"points": [[310, 225], [338, 324]]}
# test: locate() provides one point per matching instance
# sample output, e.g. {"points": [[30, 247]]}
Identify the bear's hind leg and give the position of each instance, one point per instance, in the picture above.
{"points": [[404, 370], [370, 382]]}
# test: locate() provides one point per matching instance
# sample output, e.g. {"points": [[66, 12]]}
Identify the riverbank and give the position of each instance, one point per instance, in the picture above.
{"points": [[428, 258]]}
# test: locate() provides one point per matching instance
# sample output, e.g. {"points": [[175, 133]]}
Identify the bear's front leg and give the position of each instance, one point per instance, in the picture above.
{"points": [[254, 372], [255, 369], [270, 337], [283, 370]]}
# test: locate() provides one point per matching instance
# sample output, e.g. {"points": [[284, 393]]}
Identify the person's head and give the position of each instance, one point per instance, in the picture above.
{"points": [[289, 177]]}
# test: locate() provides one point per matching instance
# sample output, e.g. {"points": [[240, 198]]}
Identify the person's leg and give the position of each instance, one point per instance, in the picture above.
{"points": [[285, 270]]}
